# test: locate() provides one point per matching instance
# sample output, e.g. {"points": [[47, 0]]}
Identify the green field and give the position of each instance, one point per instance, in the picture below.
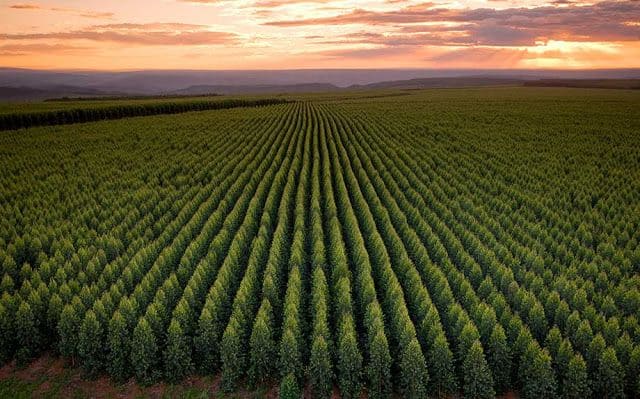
{"points": [[421, 243]]}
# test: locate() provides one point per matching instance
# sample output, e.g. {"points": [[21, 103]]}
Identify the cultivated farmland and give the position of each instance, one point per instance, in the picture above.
{"points": [[420, 243]]}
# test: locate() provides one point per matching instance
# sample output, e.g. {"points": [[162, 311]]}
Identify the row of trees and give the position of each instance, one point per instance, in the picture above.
{"points": [[475, 375], [236, 336], [322, 245], [321, 355], [80, 289], [413, 375], [176, 263], [262, 339], [95, 113], [459, 261], [584, 336]]}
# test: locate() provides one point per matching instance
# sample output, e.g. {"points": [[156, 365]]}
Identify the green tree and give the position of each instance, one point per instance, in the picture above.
{"points": [[583, 336], [561, 361], [320, 374], [596, 347], [624, 348], [499, 359], [232, 356], [7, 338], [349, 363], [144, 352], [609, 380], [379, 367], [553, 341], [538, 322], [27, 334], [443, 380], [413, 369], [576, 382], [467, 338], [477, 380], [68, 332], [90, 345], [9, 266], [562, 314], [7, 284], [289, 354], [177, 354], [204, 340], [119, 346], [262, 346], [289, 388], [536, 373], [54, 310], [632, 379]]}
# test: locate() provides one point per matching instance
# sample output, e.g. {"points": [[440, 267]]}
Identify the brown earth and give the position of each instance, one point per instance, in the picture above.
{"points": [[53, 377]]}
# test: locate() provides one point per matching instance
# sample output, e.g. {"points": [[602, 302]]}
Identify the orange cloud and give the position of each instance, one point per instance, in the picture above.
{"points": [[26, 7], [261, 3], [606, 21], [322, 33], [360, 16], [279, 3], [171, 26], [153, 34], [36, 48], [79, 12], [365, 53]]}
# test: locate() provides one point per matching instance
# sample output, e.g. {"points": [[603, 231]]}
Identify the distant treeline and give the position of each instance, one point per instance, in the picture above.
{"points": [[79, 115], [632, 84], [128, 97]]}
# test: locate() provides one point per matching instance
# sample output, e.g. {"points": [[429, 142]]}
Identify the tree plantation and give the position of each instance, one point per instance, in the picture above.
{"points": [[468, 242]]}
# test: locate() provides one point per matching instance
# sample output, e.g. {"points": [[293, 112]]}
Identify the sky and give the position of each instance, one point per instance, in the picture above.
{"points": [[292, 34]]}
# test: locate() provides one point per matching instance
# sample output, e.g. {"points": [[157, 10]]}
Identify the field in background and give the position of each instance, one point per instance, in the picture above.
{"points": [[419, 242]]}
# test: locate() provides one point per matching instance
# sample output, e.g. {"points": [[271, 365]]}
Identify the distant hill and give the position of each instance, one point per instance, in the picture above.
{"points": [[33, 85], [255, 89], [25, 93], [463, 81], [587, 83]]}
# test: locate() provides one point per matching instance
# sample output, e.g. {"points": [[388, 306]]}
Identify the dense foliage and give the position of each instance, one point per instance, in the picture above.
{"points": [[445, 242], [18, 120]]}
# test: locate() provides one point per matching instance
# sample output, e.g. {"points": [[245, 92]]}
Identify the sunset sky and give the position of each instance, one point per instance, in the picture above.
{"points": [[287, 34]]}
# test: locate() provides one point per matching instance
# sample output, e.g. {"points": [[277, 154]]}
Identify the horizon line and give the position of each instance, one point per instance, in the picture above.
{"points": [[316, 69]]}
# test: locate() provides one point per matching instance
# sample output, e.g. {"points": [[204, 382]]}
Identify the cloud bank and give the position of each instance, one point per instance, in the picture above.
{"points": [[327, 33]]}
